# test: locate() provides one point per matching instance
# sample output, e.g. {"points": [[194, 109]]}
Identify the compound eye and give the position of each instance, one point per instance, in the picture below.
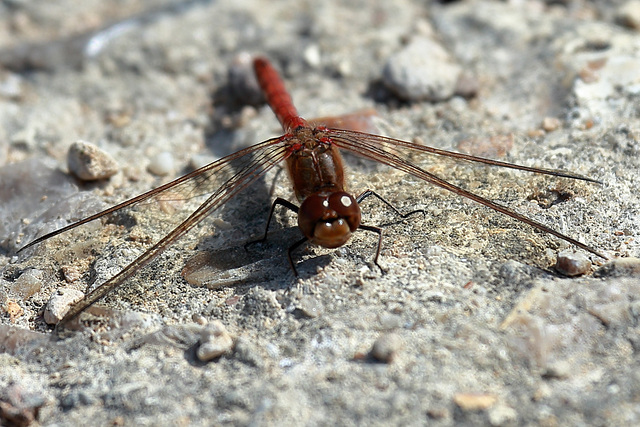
{"points": [[346, 207]]}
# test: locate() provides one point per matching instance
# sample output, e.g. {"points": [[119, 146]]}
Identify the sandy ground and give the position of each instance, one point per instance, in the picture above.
{"points": [[470, 325]]}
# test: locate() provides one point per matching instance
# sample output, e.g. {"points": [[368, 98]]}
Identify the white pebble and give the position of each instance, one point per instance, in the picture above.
{"points": [[423, 70], [162, 164], [386, 347], [60, 303], [10, 86], [90, 163], [312, 56], [214, 341], [310, 307], [549, 124]]}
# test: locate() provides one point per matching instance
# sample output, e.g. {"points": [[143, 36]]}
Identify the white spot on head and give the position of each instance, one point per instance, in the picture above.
{"points": [[346, 201], [325, 203]]}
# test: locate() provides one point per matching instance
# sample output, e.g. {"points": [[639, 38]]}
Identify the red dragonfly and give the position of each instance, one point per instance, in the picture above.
{"points": [[327, 215]]}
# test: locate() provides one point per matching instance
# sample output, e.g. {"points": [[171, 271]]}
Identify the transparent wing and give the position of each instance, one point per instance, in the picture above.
{"points": [[221, 180], [395, 153], [364, 144]]}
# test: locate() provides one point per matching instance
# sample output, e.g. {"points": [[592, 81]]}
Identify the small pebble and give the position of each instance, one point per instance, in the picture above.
{"points": [[474, 401], [549, 124], [543, 392], [310, 307], [570, 263], [10, 86], [29, 283], [386, 347], [501, 415], [90, 163], [214, 341], [559, 369], [312, 56], [162, 164], [13, 309], [629, 15], [60, 303], [438, 412], [467, 85], [72, 273], [422, 71], [390, 321]]}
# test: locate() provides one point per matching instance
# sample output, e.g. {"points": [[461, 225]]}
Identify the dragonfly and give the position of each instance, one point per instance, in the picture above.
{"points": [[327, 215]]}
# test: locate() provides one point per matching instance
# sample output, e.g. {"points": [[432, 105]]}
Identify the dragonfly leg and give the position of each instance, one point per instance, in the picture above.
{"points": [[291, 249], [368, 193], [279, 201], [377, 230]]}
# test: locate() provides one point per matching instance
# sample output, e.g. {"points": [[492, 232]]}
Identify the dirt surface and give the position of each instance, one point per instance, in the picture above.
{"points": [[470, 324]]}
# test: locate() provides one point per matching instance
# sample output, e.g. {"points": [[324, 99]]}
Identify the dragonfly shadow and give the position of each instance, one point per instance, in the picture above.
{"points": [[251, 204], [215, 267], [125, 219], [220, 263], [261, 262]]}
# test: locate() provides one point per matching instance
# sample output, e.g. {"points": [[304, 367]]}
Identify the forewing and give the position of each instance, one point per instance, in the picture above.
{"points": [[396, 153], [167, 206], [365, 144]]}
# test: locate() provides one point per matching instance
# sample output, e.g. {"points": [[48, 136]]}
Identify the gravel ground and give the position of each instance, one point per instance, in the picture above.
{"points": [[471, 324]]}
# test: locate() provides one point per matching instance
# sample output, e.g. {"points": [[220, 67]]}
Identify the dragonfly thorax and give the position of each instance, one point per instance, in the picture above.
{"points": [[315, 163]]}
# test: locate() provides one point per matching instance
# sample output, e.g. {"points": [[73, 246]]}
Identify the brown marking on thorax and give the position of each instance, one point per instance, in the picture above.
{"points": [[315, 165]]}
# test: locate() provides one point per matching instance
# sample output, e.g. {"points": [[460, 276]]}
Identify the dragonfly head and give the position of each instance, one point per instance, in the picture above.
{"points": [[328, 218]]}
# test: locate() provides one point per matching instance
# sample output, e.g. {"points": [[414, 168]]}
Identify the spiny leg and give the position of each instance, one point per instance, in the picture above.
{"points": [[279, 201], [368, 193], [378, 230], [290, 257], [287, 204], [379, 248]]}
